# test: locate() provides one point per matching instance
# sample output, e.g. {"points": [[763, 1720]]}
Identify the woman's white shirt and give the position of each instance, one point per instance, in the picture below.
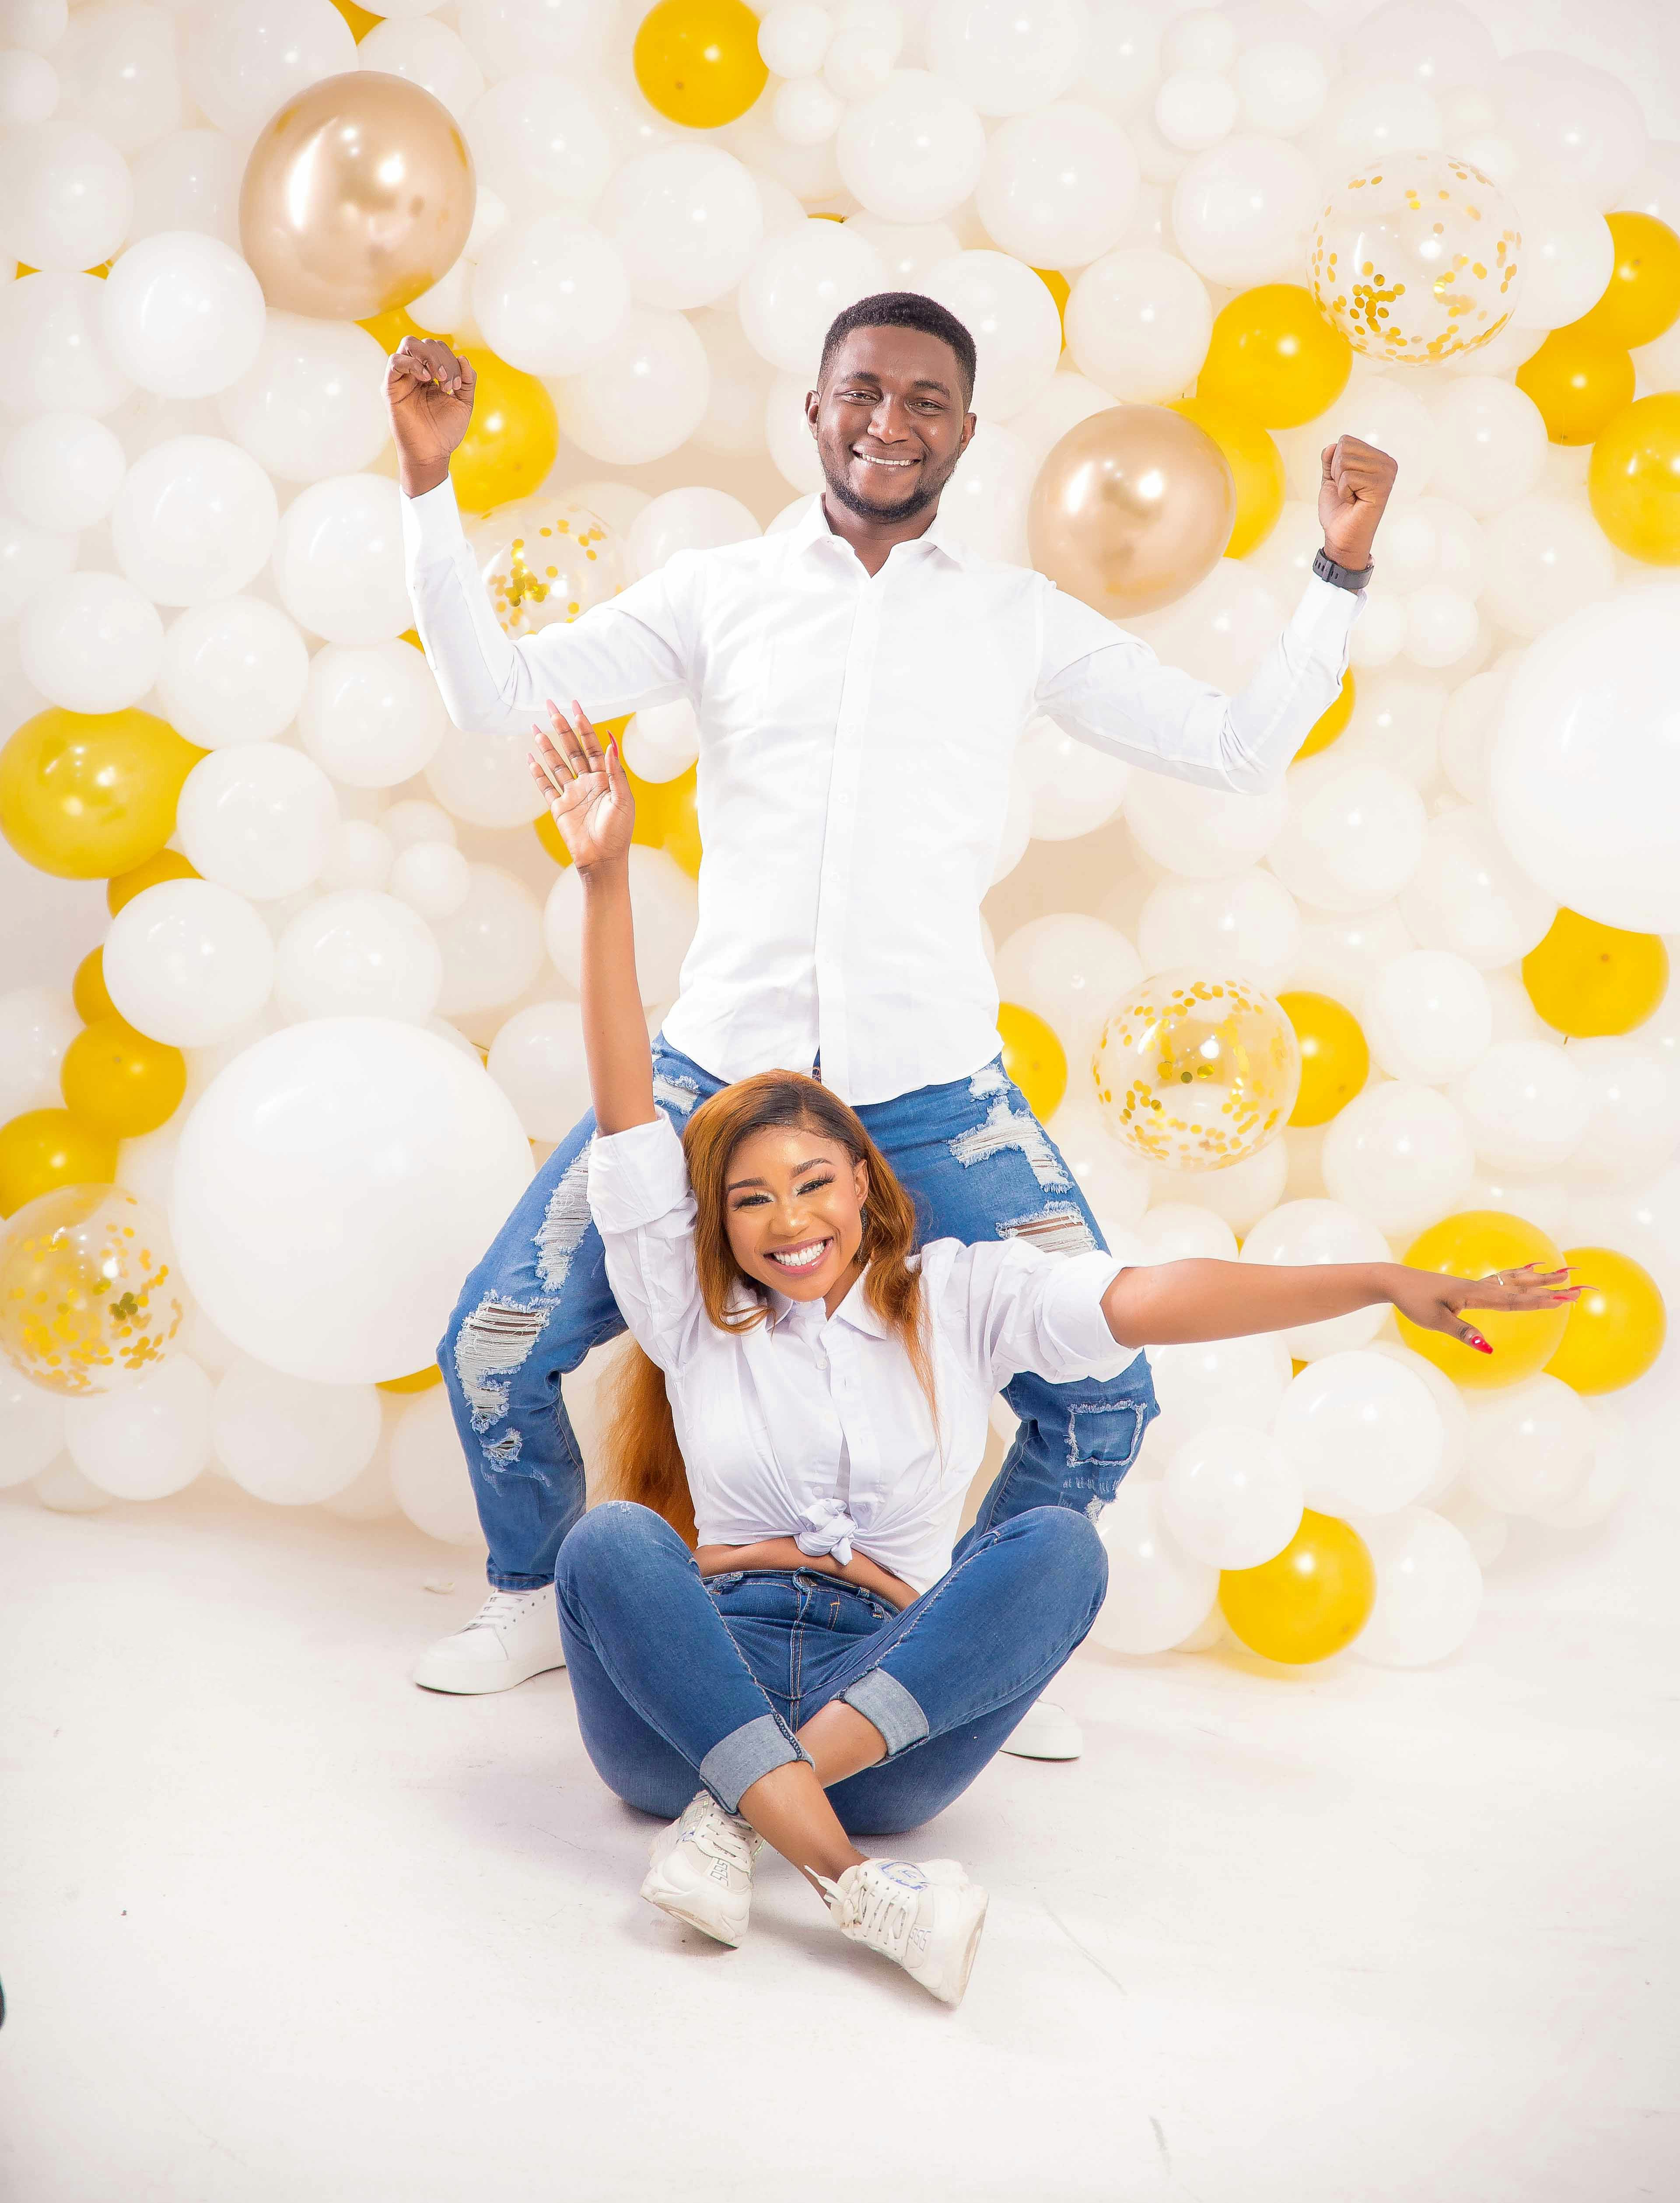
{"points": [[813, 1426]]}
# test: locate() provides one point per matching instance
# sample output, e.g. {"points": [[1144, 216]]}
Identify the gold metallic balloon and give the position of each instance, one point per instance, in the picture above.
{"points": [[90, 1299], [1197, 1072], [1131, 509], [358, 195]]}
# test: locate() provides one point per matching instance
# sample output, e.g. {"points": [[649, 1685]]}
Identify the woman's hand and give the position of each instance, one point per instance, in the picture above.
{"points": [[1434, 1301], [587, 793], [428, 393]]}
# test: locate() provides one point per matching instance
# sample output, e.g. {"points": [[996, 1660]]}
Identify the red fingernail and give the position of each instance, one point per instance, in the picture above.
{"points": [[1481, 1345]]}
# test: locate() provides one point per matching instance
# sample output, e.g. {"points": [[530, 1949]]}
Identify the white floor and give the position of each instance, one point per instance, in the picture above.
{"points": [[277, 1926]]}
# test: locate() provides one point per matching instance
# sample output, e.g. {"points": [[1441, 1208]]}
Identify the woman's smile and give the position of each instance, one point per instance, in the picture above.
{"points": [[804, 1256]]}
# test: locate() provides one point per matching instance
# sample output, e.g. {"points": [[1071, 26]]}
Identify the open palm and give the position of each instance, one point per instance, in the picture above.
{"points": [[586, 788]]}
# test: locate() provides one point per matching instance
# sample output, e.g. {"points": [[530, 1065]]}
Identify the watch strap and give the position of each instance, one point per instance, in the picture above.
{"points": [[1343, 577]]}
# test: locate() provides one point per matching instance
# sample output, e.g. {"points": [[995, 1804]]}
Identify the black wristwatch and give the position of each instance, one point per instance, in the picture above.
{"points": [[1344, 577]]}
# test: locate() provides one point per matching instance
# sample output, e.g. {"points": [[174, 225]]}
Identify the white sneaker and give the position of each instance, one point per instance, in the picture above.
{"points": [[700, 1869], [925, 1918], [1044, 1732], [514, 1635]]}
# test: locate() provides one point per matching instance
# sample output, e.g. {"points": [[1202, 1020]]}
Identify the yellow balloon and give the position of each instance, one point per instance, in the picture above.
{"points": [[1056, 284], [1275, 355], [86, 796], [1331, 721], [1034, 1058], [511, 440], [1633, 479], [1418, 258], [88, 990], [1586, 979], [545, 560], [1579, 382], [1643, 297], [120, 1082], [1474, 1244], [674, 823], [89, 1298], [697, 61], [1256, 464], [167, 864], [422, 1380], [1336, 1062], [1197, 1072], [1310, 1600], [361, 22], [44, 1149], [1616, 1330]]}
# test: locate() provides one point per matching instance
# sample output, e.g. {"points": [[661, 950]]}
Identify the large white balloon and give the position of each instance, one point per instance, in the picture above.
{"points": [[428, 53], [245, 58], [1014, 321], [1231, 1497], [232, 672], [1634, 1100], [539, 141], [183, 313], [644, 395], [1076, 787], [493, 945], [552, 295], [733, 421], [985, 508], [1241, 1193], [149, 1441], [1246, 923], [1490, 443], [67, 195], [1070, 971], [685, 520], [188, 962], [1568, 253], [1006, 57], [1401, 1155], [537, 1060], [796, 283], [1243, 211], [90, 642], [1576, 125], [30, 558], [1429, 1589], [1428, 1016], [335, 1184], [1156, 1592], [1362, 1433], [288, 1440], [373, 716], [1137, 322], [666, 910], [194, 521], [1306, 1232], [31, 1427], [1526, 1104], [37, 1024], [50, 324], [1531, 1446], [1220, 1380], [913, 150], [687, 218], [188, 181], [61, 471], [339, 560], [1205, 833], [358, 953], [483, 779], [428, 1472], [258, 817], [1467, 895], [1352, 837], [1058, 186], [312, 403], [1547, 558]]}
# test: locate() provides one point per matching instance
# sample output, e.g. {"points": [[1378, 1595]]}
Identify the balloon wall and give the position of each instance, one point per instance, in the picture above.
{"points": [[290, 1002]]}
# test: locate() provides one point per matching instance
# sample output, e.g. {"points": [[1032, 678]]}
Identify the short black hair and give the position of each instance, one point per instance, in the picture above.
{"points": [[903, 310]]}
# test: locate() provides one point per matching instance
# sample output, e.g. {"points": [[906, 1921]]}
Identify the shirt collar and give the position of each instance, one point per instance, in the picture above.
{"points": [[854, 1310], [814, 529]]}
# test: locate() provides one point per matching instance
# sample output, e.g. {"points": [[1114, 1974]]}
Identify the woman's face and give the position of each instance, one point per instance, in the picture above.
{"points": [[793, 1208]]}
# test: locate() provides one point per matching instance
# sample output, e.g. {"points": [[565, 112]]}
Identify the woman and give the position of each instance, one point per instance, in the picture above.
{"points": [[796, 1641]]}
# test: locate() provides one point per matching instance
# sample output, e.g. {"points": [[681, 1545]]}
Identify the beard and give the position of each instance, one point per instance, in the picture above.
{"points": [[926, 494]]}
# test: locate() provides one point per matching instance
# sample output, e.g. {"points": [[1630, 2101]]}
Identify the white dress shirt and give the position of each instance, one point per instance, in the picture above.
{"points": [[814, 1426], [856, 737]]}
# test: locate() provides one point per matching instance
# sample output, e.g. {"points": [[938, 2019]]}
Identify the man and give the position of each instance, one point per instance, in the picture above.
{"points": [[861, 682]]}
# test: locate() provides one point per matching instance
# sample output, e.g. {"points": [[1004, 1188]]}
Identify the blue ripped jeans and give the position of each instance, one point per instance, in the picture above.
{"points": [[978, 1166], [682, 1680]]}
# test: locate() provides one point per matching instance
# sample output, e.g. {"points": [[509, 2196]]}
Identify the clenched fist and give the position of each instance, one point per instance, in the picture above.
{"points": [[429, 392], [1356, 483]]}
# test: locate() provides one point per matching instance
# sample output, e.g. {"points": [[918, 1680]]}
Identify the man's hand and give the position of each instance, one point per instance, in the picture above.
{"points": [[429, 392], [588, 793], [1434, 1301], [1358, 481]]}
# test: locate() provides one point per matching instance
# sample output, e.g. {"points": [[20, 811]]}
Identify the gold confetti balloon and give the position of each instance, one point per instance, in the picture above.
{"points": [[90, 1296], [1418, 258], [544, 560], [1197, 1072]]}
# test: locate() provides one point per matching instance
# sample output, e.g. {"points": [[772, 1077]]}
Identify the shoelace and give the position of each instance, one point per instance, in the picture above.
{"points": [[884, 1911], [501, 1606], [716, 1832]]}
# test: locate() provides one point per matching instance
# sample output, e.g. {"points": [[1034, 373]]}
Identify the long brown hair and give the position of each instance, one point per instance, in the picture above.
{"points": [[643, 1463]]}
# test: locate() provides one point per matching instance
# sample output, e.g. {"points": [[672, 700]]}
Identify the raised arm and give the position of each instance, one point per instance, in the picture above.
{"points": [[589, 795], [1173, 1303]]}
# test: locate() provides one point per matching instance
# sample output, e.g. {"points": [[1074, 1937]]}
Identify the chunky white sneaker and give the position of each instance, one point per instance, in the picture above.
{"points": [[925, 1918], [700, 1869], [514, 1635], [1044, 1732]]}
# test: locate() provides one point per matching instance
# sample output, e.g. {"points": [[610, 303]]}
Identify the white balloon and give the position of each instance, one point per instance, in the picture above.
{"points": [[289, 1441], [49, 325], [1568, 253], [1138, 323], [66, 1490], [1441, 626], [539, 141], [37, 1024], [1195, 109], [1342, 955], [1547, 558], [28, 88], [807, 113], [90, 642], [339, 560], [1573, 125], [1114, 1181], [68, 195], [907, 249], [662, 739], [1362, 1433], [1306, 1232], [188, 181], [1468, 896], [644, 396], [232, 672], [793, 36], [484, 779], [912, 151], [1634, 1102], [414, 820], [733, 421], [1071, 971], [985, 509], [552, 295], [245, 58], [31, 1428], [312, 402], [1122, 63], [1490, 442], [493, 945], [428, 53], [1199, 38], [1006, 57], [1157, 1592], [687, 218], [429, 1471], [1373, 119], [335, 1183], [537, 1060], [1204, 833], [1526, 1104], [507, 35], [359, 855], [1076, 787], [29, 559], [1058, 187], [792, 446], [663, 898], [1353, 837], [182, 313], [1243, 211], [1428, 1016], [1179, 1231], [258, 818], [1449, 1405], [1016, 328], [687, 520], [1436, 43], [188, 962], [1241, 1192], [1384, 411], [116, 66], [1246, 923], [1281, 85], [1396, 723], [1401, 1155], [1429, 1589], [371, 716], [357, 954], [61, 471], [797, 282], [1216, 1381], [432, 878], [194, 521], [1231, 1497], [1531, 1446], [149, 1441]]}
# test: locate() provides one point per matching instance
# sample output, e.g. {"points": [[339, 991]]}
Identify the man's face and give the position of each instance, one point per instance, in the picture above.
{"points": [[890, 421]]}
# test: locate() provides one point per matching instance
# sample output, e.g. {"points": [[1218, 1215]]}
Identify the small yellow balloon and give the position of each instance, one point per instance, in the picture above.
{"points": [[511, 442], [89, 1298], [1616, 1330], [1275, 355], [361, 22], [167, 864], [1308, 1601], [389, 328], [1056, 284], [1586, 979], [1633, 479], [1034, 1058], [1579, 382], [45, 1150], [120, 1082], [1336, 1062], [88, 990], [1475, 1243], [86, 796], [1643, 297], [1256, 463], [422, 1380], [676, 821], [697, 61], [1197, 1072], [1331, 721]]}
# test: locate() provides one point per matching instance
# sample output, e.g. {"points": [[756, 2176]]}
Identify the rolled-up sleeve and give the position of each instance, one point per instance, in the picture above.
{"points": [[1029, 1310], [618, 657], [644, 1209], [1109, 688]]}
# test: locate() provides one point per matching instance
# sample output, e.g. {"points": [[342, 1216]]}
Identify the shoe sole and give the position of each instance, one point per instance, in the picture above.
{"points": [[670, 1903], [1033, 1751], [970, 1949], [475, 1682]]}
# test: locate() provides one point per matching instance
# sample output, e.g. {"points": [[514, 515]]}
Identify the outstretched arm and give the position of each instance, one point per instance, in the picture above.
{"points": [[1173, 1303], [589, 794]]}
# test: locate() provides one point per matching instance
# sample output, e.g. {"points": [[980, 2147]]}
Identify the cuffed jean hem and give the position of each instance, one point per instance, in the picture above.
{"points": [[890, 1707], [741, 1758]]}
